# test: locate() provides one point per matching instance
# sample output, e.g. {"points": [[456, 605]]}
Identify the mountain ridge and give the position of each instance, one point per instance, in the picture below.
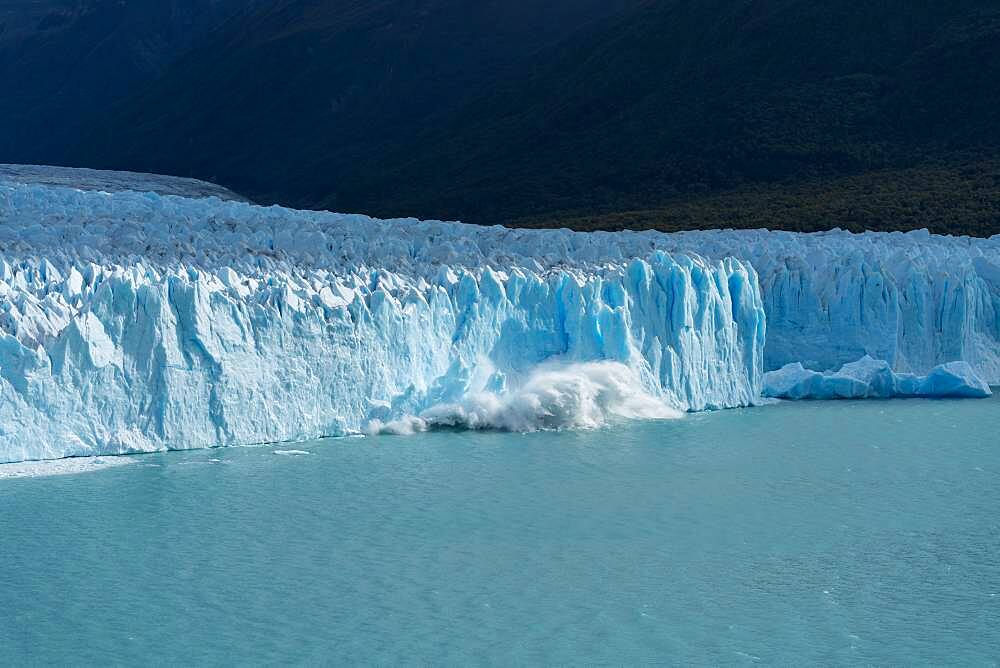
{"points": [[495, 113]]}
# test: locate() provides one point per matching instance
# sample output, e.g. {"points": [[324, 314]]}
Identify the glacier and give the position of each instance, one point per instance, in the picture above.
{"points": [[104, 180], [914, 299], [137, 321], [869, 378]]}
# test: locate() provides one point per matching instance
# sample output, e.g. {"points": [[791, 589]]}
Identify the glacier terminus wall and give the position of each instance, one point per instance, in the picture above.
{"points": [[135, 322], [914, 300]]}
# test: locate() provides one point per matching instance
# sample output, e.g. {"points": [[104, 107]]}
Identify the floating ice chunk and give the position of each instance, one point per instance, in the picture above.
{"points": [[869, 378], [955, 379]]}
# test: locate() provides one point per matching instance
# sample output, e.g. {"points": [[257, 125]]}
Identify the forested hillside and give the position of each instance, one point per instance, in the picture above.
{"points": [[804, 114]]}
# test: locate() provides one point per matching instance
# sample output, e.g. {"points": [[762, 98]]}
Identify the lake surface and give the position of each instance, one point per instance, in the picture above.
{"points": [[834, 533]]}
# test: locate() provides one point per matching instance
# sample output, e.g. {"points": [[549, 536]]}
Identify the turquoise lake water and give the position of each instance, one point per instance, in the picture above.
{"points": [[809, 533]]}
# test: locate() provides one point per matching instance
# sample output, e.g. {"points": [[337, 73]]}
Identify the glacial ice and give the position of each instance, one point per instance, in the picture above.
{"points": [[135, 321], [113, 181], [913, 299], [868, 378]]}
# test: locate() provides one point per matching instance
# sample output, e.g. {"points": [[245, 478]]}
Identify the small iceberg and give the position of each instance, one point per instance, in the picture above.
{"points": [[292, 453], [869, 378]]}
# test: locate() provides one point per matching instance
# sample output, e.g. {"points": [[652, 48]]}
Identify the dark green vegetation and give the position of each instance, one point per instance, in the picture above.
{"points": [[801, 114], [961, 197], [773, 100]]}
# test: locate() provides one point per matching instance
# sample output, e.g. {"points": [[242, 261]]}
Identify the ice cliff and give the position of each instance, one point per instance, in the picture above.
{"points": [[915, 300], [135, 322]]}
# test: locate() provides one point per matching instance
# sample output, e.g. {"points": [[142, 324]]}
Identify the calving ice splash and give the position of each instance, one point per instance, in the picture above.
{"points": [[136, 322], [582, 395]]}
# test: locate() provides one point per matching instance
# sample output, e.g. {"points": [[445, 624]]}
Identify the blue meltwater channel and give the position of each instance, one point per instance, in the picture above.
{"points": [[822, 533]]}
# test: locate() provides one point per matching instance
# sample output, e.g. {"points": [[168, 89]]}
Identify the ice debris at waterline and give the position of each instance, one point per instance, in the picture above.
{"points": [[873, 379], [68, 466], [134, 322]]}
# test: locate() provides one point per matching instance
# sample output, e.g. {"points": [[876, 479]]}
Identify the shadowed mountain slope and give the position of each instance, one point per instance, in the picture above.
{"points": [[64, 63], [505, 112]]}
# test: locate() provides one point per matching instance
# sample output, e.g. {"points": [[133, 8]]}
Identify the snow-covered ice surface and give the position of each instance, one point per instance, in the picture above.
{"points": [[112, 181], [873, 379], [137, 322]]}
